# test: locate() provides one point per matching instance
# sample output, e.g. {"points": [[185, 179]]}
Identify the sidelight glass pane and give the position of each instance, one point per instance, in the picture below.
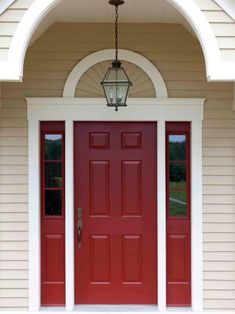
{"points": [[53, 146], [177, 176], [53, 175], [178, 203], [177, 147], [53, 203]]}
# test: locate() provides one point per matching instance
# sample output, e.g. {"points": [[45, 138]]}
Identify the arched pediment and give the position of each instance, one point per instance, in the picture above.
{"points": [[156, 81]]}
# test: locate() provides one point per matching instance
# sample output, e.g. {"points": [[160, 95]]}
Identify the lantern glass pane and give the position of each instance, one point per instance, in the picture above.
{"points": [[110, 93], [122, 93], [116, 94], [116, 74]]}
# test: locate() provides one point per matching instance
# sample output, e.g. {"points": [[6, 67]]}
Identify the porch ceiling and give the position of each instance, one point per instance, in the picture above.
{"points": [[99, 11]]}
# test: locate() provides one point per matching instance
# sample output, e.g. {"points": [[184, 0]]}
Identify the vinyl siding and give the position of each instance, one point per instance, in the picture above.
{"points": [[179, 58], [9, 21], [223, 26]]}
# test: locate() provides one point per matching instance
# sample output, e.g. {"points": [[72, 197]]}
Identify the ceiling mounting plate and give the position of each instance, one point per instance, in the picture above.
{"points": [[116, 2]]}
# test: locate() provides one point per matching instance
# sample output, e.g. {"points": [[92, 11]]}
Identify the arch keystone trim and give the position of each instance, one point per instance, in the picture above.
{"points": [[108, 54]]}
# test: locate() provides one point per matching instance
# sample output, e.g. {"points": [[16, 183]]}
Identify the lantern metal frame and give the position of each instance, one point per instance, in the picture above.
{"points": [[111, 82]]}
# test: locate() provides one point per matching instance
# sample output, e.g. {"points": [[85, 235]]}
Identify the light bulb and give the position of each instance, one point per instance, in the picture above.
{"points": [[119, 95], [111, 95]]}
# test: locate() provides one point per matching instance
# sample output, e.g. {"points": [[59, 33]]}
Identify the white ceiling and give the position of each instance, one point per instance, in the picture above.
{"points": [[99, 11]]}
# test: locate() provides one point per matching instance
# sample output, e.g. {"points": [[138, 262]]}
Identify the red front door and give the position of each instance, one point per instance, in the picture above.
{"points": [[115, 213]]}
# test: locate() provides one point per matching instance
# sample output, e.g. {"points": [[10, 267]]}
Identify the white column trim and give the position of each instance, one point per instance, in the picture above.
{"points": [[161, 214], [196, 216], [157, 110], [69, 216], [34, 221]]}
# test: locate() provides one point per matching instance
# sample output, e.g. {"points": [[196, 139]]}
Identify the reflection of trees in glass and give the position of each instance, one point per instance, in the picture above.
{"points": [[54, 174], [177, 173], [53, 149], [53, 203], [177, 150]]}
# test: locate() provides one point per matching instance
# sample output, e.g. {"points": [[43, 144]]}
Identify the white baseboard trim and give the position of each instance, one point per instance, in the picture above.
{"points": [[114, 309]]}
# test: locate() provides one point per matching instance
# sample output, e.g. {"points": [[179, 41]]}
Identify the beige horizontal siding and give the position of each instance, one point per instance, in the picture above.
{"points": [[9, 21], [48, 63], [222, 25]]}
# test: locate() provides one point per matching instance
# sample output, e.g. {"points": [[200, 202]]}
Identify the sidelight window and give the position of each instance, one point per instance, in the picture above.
{"points": [[53, 173]]}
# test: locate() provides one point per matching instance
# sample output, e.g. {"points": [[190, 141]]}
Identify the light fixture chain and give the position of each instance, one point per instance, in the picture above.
{"points": [[116, 32]]}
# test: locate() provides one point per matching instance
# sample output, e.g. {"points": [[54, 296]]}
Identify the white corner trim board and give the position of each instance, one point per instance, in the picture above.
{"points": [[40, 8], [4, 4], [108, 54], [92, 109]]}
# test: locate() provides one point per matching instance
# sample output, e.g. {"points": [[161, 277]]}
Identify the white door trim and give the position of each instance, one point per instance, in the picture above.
{"points": [[158, 110], [69, 216]]}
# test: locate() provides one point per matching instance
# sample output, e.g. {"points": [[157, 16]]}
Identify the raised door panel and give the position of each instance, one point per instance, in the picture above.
{"points": [[132, 266], [99, 188], [99, 259], [131, 188]]}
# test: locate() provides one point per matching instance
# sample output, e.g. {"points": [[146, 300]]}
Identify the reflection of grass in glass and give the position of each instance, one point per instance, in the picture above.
{"points": [[177, 209], [177, 184], [181, 196], [178, 203]]}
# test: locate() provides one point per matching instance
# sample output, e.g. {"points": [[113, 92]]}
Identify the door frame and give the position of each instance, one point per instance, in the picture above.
{"points": [[145, 109]]}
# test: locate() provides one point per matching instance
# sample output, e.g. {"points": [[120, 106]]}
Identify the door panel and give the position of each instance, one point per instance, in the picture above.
{"points": [[115, 185]]}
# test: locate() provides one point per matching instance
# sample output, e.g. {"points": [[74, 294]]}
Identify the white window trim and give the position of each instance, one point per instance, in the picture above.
{"points": [[75, 109]]}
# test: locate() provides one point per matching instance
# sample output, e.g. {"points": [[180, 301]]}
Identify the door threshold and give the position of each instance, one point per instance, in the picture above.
{"points": [[116, 308]]}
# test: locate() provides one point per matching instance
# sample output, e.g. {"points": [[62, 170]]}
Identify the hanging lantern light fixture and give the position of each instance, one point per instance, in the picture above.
{"points": [[116, 82]]}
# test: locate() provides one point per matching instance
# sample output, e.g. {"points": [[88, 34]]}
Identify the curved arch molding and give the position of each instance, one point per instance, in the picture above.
{"points": [[216, 69], [107, 54]]}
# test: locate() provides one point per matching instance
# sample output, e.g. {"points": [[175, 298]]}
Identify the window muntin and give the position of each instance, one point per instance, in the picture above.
{"points": [[52, 174]]}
